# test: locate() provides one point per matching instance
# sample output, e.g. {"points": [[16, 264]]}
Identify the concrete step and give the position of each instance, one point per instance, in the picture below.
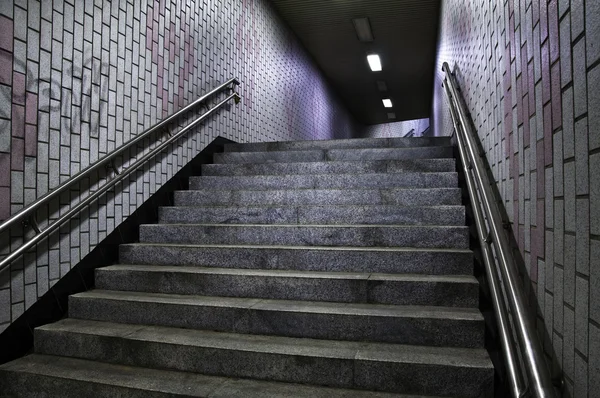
{"points": [[391, 196], [339, 144], [329, 181], [328, 155], [302, 258], [349, 287], [308, 235], [53, 376], [330, 215], [417, 325], [465, 372], [356, 167]]}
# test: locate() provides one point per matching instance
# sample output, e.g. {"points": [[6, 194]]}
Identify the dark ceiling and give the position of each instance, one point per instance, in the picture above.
{"points": [[405, 33]]}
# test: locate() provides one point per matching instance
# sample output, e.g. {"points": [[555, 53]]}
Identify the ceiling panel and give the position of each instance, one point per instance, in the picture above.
{"points": [[405, 33]]}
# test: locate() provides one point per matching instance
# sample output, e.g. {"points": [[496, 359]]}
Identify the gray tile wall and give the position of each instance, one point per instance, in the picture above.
{"points": [[530, 74], [79, 78]]}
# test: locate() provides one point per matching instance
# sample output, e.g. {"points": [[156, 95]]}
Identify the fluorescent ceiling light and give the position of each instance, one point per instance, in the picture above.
{"points": [[381, 86], [374, 62], [363, 29], [391, 115], [387, 103]]}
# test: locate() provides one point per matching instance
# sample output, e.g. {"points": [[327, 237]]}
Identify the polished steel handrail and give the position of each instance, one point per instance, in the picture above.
{"points": [[29, 211], [509, 350], [539, 382]]}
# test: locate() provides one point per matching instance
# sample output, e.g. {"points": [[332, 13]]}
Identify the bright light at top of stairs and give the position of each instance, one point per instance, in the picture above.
{"points": [[374, 62]]}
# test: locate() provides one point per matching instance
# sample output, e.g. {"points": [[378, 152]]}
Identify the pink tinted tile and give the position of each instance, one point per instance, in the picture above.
{"points": [[19, 88], [155, 29], [511, 35], [515, 224], [519, 101], [508, 120], [6, 63], [156, 10], [4, 169], [159, 86], [165, 101], [548, 134], [17, 148], [30, 140], [541, 226], [4, 203], [524, 70], [507, 82], [515, 175], [531, 89], [543, 20], [534, 241], [526, 130], [541, 175], [545, 73], [149, 27], [556, 97], [18, 121], [31, 109], [553, 30], [6, 33], [172, 32], [148, 38], [160, 69], [533, 269]]}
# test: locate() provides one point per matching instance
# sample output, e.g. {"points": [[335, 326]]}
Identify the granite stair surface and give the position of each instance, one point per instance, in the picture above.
{"points": [[334, 268]]}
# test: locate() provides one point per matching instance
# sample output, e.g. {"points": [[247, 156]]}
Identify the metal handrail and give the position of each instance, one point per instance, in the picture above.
{"points": [[539, 381], [507, 343], [29, 211]]}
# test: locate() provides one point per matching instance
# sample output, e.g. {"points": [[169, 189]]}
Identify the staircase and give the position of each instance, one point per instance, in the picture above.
{"points": [[289, 269]]}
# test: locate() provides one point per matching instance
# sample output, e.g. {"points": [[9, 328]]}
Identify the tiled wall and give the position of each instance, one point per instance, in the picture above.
{"points": [[396, 129], [78, 78], [530, 73]]}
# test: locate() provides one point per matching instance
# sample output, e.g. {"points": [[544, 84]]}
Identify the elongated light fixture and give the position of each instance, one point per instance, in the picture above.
{"points": [[363, 29], [374, 62]]}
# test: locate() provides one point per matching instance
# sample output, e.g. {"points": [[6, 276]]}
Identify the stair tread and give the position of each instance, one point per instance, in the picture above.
{"points": [[418, 160], [304, 226], [309, 307], [339, 180], [293, 274], [341, 205], [301, 347], [351, 143], [329, 189], [174, 382], [343, 150], [321, 248], [325, 175]]}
